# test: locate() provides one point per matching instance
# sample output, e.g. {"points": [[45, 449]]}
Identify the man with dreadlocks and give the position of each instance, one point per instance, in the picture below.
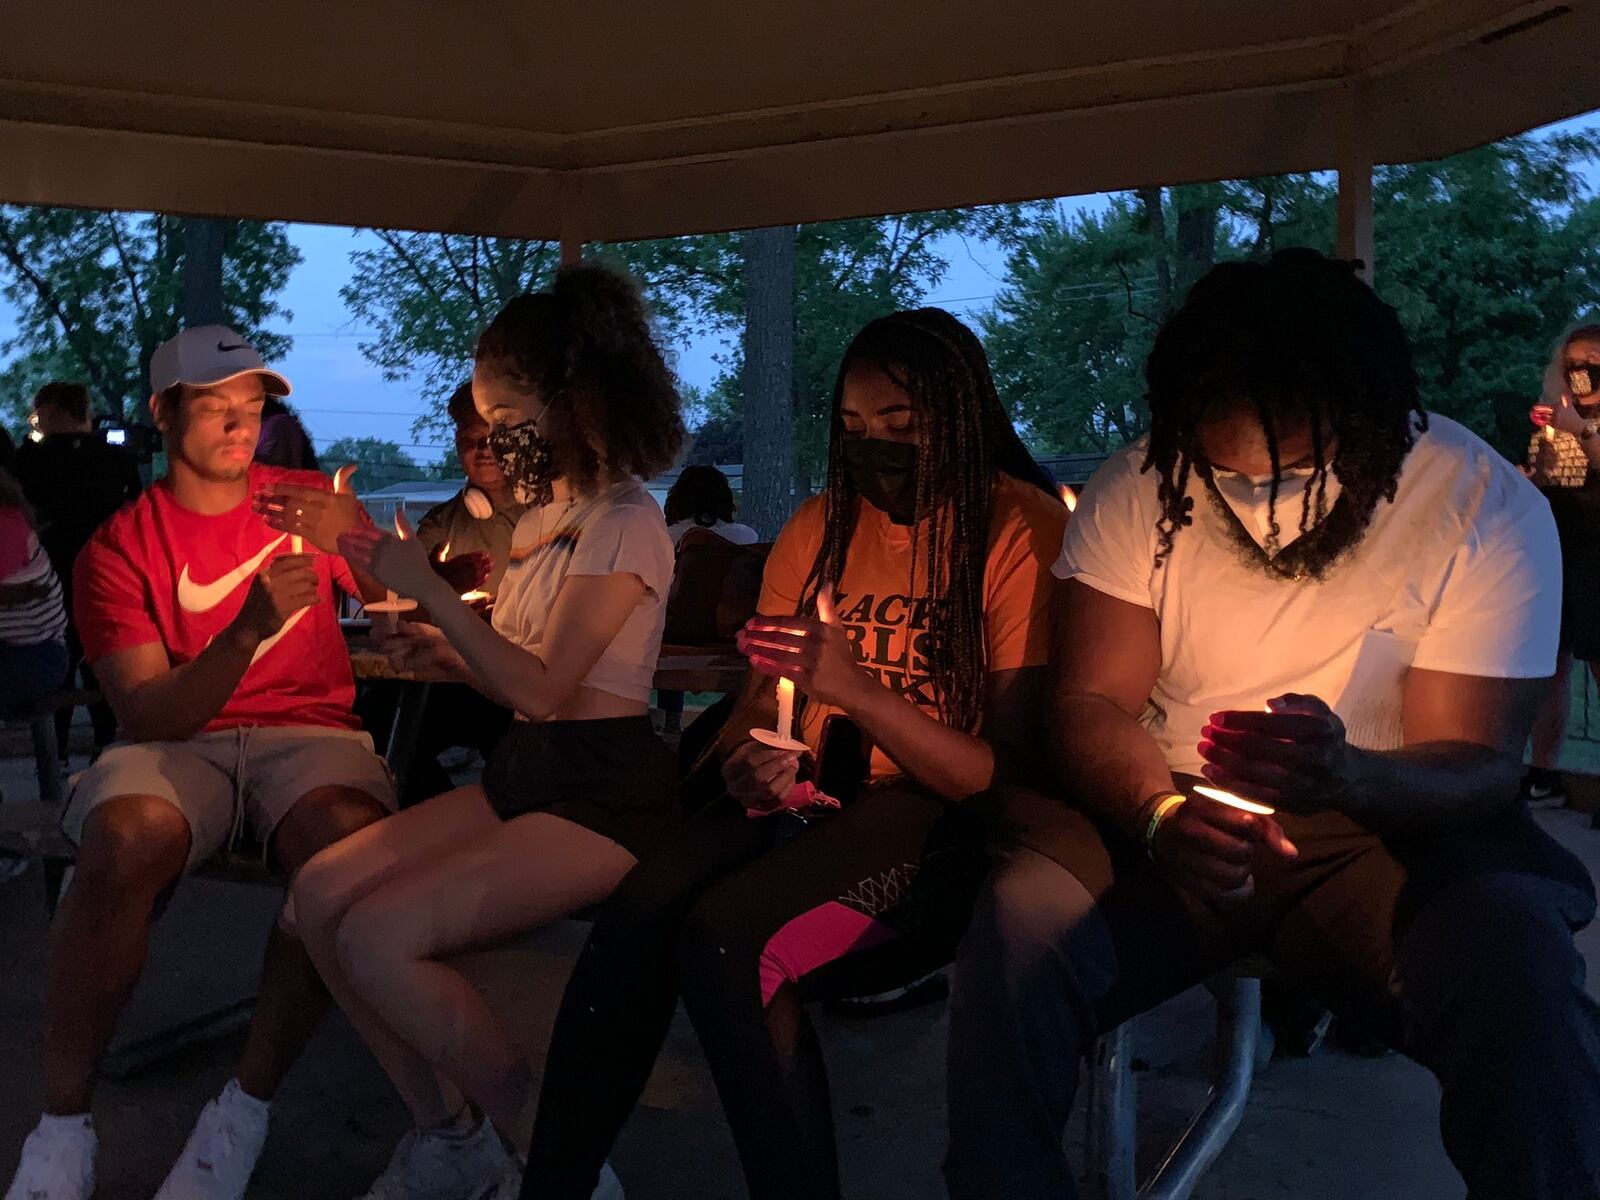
{"points": [[1301, 590], [933, 542]]}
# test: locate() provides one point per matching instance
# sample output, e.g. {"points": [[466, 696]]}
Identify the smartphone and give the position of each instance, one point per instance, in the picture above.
{"points": [[842, 758]]}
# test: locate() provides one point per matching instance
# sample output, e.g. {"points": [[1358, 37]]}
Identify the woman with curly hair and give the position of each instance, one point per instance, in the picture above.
{"points": [[930, 551], [581, 406]]}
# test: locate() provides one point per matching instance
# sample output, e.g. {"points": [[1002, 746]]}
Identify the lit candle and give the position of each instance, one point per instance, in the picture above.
{"points": [[1549, 433], [782, 736], [296, 546], [392, 603], [785, 729], [444, 551], [1232, 801], [1069, 498]]}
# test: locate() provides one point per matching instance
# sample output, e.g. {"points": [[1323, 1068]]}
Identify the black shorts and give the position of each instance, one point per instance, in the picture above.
{"points": [[613, 776]]}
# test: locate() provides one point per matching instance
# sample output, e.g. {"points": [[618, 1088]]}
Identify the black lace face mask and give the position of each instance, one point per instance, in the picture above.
{"points": [[526, 458]]}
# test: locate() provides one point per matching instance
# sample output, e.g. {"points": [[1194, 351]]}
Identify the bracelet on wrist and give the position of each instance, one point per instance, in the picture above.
{"points": [[1160, 806]]}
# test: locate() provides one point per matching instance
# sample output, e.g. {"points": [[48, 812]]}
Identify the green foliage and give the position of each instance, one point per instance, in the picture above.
{"points": [[382, 462], [427, 296], [847, 273], [97, 292], [1487, 255], [1085, 293]]}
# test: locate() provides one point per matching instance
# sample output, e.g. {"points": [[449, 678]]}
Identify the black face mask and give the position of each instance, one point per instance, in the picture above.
{"points": [[885, 474], [526, 459]]}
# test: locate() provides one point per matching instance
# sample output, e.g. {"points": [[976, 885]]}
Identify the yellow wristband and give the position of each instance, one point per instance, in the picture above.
{"points": [[1164, 809]]}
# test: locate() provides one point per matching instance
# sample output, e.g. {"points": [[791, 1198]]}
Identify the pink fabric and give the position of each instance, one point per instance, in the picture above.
{"points": [[801, 795], [15, 541], [814, 939]]}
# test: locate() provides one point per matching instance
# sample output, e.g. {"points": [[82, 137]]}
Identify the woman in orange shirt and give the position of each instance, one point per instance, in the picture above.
{"points": [[933, 543]]}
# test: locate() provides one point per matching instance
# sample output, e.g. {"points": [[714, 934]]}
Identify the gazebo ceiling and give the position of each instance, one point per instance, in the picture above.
{"points": [[616, 120]]}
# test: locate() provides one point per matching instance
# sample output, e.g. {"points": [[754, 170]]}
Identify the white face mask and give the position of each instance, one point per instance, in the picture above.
{"points": [[1250, 497]]}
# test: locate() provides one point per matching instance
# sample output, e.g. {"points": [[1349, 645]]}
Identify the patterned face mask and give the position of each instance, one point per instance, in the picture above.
{"points": [[527, 459]]}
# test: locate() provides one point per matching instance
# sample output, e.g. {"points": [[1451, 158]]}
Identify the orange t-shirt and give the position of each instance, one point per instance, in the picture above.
{"points": [[888, 628]]}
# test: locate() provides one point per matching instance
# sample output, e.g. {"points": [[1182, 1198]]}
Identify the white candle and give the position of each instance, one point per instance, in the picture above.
{"points": [[296, 546], [785, 729]]}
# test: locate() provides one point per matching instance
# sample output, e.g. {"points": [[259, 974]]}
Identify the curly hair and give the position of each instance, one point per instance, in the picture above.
{"points": [[701, 494], [1298, 336], [965, 438], [586, 347]]}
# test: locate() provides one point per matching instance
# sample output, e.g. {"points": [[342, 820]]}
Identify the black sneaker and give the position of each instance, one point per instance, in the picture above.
{"points": [[1543, 787]]}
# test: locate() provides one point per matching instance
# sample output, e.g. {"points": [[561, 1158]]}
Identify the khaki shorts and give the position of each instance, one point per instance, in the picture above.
{"points": [[219, 780]]}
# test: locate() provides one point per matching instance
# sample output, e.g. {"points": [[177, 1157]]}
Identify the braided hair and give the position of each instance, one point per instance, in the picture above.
{"points": [[964, 438], [1299, 336]]}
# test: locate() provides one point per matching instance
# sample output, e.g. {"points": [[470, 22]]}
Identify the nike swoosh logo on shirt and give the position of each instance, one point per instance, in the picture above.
{"points": [[263, 646], [203, 597]]}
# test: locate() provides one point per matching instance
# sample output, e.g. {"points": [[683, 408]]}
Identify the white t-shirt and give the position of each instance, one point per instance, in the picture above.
{"points": [[1461, 574], [731, 531], [621, 530]]}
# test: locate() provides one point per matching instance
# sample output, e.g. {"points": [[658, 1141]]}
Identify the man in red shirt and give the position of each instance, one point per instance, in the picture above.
{"points": [[220, 651]]}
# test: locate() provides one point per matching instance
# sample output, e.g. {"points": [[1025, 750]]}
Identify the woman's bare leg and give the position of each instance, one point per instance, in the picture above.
{"points": [[327, 886], [517, 876]]}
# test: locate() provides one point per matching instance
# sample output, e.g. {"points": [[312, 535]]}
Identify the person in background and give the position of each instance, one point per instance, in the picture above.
{"points": [[284, 440], [1302, 591], [482, 516], [1564, 463], [33, 619], [753, 902], [479, 550], [702, 499], [221, 655], [581, 406], [75, 481]]}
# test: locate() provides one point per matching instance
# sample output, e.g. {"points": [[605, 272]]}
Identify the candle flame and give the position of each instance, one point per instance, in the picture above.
{"points": [[1232, 801], [825, 609], [474, 596], [444, 551], [1069, 498], [341, 477], [399, 526], [1549, 433]]}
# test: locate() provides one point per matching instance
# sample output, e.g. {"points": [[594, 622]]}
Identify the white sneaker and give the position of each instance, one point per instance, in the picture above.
{"points": [[57, 1161], [609, 1187], [221, 1153], [431, 1165]]}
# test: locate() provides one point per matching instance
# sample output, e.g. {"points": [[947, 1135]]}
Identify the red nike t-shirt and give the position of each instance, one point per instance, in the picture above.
{"points": [[159, 572]]}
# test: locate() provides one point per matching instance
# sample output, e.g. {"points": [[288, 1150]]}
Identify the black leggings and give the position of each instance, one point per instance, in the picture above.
{"points": [[693, 921]]}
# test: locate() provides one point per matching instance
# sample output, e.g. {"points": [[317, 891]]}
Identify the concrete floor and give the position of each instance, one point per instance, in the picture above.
{"points": [[1332, 1126]]}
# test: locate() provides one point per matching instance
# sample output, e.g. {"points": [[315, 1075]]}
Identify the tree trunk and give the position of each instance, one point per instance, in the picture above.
{"points": [[768, 379], [1155, 221], [204, 239], [1197, 235]]}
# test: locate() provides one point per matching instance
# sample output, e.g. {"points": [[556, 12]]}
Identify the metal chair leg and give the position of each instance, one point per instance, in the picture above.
{"points": [[1238, 1024], [1113, 1112], [46, 757]]}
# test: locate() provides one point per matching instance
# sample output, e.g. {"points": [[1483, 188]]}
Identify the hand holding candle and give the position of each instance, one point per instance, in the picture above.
{"points": [[811, 652], [312, 515], [1292, 756]]}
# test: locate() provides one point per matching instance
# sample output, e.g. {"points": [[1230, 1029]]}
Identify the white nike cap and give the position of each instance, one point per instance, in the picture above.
{"points": [[209, 354]]}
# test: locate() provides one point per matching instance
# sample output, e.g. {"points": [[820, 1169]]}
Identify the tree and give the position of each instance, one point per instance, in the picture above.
{"points": [[427, 296], [1487, 255], [845, 274], [97, 292], [768, 380], [381, 462]]}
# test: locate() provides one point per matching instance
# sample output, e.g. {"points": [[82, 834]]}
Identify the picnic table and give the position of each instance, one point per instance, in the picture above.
{"points": [[679, 669]]}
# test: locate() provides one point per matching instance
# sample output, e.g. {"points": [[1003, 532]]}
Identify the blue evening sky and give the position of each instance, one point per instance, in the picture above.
{"points": [[339, 393]]}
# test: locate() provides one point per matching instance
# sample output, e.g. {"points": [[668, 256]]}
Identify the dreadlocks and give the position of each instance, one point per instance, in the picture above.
{"points": [[964, 437], [1296, 337]]}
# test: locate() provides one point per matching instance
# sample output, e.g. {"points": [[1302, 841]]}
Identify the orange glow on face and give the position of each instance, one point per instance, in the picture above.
{"points": [[1069, 498]]}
